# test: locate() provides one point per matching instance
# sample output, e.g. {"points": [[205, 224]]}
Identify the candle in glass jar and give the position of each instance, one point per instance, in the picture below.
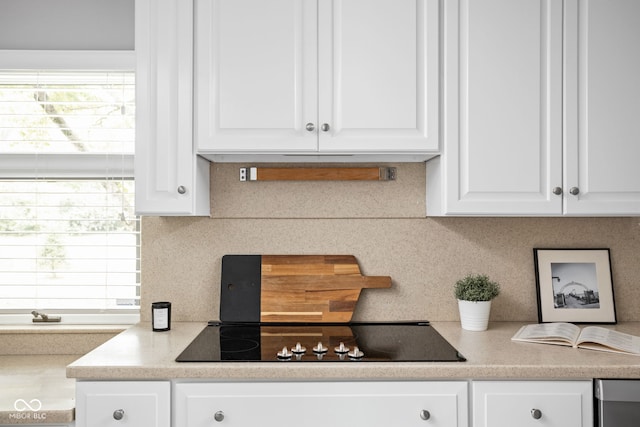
{"points": [[161, 316]]}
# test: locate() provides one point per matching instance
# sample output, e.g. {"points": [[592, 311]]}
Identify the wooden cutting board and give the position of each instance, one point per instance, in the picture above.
{"points": [[292, 288]]}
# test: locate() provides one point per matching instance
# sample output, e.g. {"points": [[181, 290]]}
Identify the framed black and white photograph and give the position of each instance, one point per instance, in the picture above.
{"points": [[574, 285]]}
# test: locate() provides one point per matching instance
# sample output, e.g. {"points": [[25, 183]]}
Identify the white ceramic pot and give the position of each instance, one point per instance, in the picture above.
{"points": [[474, 315]]}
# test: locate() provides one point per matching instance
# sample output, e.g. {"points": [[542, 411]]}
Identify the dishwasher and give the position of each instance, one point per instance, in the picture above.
{"points": [[617, 403]]}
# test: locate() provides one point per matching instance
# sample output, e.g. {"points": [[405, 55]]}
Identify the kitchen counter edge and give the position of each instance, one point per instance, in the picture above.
{"points": [[140, 354]]}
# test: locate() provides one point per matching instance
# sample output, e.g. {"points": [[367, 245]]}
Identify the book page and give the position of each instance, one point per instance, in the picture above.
{"points": [[610, 338], [548, 332]]}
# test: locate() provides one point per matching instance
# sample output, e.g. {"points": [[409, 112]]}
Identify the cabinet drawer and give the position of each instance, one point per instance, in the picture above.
{"points": [[123, 403], [532, 403], [372, 404]]}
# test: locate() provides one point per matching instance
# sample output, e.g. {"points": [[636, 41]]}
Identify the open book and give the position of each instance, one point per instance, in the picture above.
{"points": [[591, 337]]}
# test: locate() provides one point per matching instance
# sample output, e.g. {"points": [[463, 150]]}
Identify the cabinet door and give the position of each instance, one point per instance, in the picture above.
{"points": [[532, 403], [602, 93], [256, 75], [502, 152], [322, 404], [123, 403], [170, 178], [378, 88]]}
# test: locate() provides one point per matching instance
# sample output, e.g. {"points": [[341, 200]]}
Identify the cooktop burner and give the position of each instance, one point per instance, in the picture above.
{"points": [[355, 342]]}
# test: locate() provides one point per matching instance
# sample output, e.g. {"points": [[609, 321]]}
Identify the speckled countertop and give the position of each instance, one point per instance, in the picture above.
{"points": [[140, 354], [34, 389]]}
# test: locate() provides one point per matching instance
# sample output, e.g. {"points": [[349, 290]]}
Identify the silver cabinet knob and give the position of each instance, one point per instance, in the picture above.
{"points": [[325, 127], [182, 189], [310, 127], [536, 414], [425, 415], [118, 414], [218, 416], [557, 191], [574, 191]]}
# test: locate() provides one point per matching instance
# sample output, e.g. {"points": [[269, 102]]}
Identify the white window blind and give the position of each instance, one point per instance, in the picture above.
{"points": [[69, 238]]}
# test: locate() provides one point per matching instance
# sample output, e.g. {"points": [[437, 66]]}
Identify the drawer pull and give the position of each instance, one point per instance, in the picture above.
{"points": [[425, 415], [218, 416], [536, 414], [118, 414]]}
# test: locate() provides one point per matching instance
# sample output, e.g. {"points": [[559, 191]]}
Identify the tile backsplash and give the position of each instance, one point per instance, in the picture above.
{"points": [[383, 225]]}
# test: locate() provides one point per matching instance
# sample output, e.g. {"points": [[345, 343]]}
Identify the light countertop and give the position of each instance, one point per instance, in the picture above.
{"points": [[140, 354], [34, 389]]}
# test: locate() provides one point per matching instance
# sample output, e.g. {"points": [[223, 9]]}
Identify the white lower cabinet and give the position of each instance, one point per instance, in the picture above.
{"points": [[315, 404], [123, 403], [335, 404], [532, 403]]}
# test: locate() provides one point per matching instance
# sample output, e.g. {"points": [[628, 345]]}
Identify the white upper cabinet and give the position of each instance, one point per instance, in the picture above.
{"points": [[316, 77], [537, 108], [256, 75], [502, 149], [378, 78], [170, 178], [602, 110]]}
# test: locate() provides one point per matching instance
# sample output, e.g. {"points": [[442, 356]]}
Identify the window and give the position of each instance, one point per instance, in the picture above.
{"points": [[69, 237]]}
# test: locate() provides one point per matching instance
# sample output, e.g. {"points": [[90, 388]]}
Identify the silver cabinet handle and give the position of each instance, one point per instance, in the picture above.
{"points": [[218, 416], [425, 415], [574, 191], [118, 414], [325, 127], [182, 189], [536, 414], [310, 127], [557, 191]]}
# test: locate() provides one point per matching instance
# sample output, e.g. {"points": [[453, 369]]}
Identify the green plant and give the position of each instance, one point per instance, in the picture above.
{"points": [[476, 288]]}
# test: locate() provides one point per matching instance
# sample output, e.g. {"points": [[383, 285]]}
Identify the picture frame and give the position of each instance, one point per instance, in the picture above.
{"points": [[574, 285]]}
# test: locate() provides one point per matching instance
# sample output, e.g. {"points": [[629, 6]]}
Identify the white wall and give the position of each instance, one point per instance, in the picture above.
{"points": [[67, 24]]}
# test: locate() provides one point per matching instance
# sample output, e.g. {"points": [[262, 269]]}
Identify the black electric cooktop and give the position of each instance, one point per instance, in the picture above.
{"points": [[344, 342]]}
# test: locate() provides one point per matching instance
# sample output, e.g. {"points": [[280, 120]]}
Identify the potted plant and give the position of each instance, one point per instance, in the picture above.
{"points": [[474, 294]]}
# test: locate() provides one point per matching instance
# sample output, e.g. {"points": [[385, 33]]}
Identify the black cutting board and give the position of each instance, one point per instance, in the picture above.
{"points": [[240, 288]]}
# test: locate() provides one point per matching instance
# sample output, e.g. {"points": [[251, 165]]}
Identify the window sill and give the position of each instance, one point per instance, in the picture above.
{"points": [[71, 321]]}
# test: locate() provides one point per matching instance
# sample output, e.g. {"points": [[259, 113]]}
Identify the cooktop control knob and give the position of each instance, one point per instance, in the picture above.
{"points": [[356, 353], [341, 349], [284, 354], [298, 349], [320, 348]]}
